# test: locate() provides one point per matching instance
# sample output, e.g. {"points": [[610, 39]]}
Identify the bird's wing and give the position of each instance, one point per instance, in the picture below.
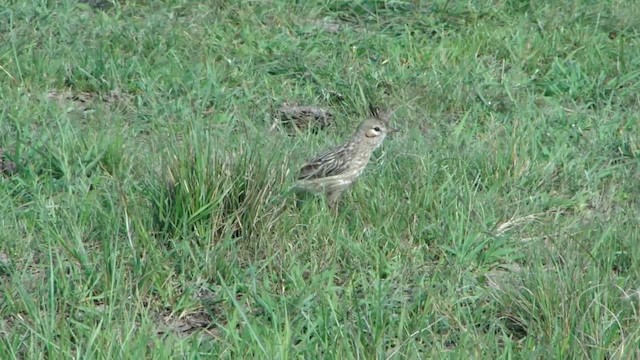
{"points": [[330, 163]]}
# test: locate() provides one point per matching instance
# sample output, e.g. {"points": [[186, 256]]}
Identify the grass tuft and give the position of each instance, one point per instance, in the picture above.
{"points": [[209, 193]]}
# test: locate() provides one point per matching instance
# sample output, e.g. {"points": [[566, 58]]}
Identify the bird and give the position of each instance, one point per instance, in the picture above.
{"points": [[335, 170]]}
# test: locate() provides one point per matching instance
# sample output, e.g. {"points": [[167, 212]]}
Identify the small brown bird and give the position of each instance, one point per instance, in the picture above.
{"points": [[335, 170]]}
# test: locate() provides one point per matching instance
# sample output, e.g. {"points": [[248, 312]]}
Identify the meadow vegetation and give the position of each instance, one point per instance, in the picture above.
{"points": [[144, 204]]}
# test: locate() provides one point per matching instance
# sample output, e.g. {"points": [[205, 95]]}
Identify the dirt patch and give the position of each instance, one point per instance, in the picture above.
{"points": [[329, 25], [7, 167], [5, 263], [332, 26], [185, 324], [84, 101], [506, 277], [98, 4], [302, 117]]}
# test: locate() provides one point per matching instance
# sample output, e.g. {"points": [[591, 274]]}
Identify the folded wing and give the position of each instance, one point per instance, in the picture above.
{"points": [[330, 163]]}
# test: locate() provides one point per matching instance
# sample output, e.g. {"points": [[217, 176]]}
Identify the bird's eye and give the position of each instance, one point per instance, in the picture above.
{"points": [[377, 128]]}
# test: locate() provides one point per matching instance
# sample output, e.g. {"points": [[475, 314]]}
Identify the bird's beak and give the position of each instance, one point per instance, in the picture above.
{"points": [[392, 130]]}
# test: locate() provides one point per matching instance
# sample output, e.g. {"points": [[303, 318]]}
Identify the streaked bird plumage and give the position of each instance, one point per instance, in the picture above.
{"points": [[335, 170]]}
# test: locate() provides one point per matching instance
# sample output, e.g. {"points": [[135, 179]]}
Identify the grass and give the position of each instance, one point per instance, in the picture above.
{"points": [[149, 214]]}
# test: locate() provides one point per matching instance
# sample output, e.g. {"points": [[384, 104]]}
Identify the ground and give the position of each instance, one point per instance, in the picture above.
{"points": [[145, 204]]}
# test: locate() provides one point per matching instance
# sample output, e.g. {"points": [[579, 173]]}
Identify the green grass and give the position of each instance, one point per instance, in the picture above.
{"points": [[149, 216]]}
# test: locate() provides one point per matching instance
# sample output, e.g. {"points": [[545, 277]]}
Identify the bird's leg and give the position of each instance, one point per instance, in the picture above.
{"points": [[332, 199]]}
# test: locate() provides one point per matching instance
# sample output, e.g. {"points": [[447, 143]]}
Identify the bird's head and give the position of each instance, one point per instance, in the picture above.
{"points": [[375, 128]]}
